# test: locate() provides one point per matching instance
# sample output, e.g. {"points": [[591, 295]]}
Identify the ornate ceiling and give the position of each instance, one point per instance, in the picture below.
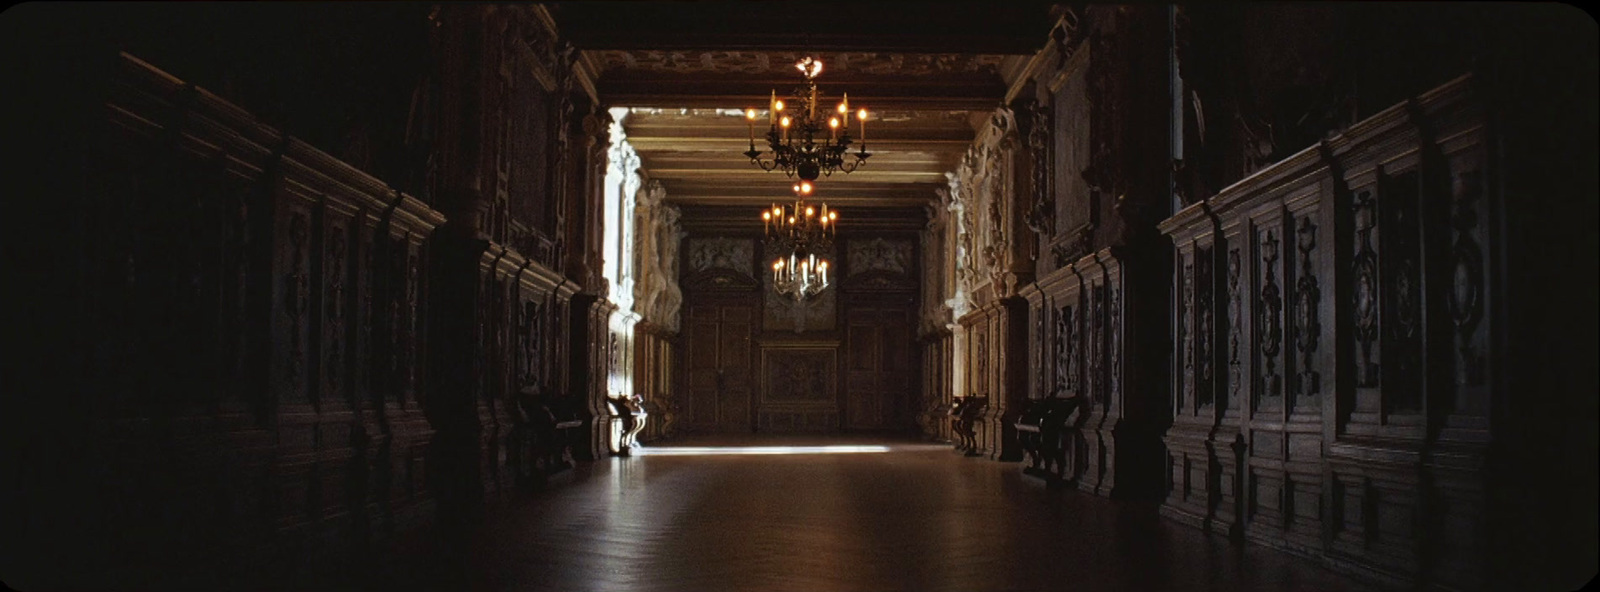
{"points": [[928, 73]]}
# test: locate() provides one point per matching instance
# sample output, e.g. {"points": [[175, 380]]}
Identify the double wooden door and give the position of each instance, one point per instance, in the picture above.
{"points": [[720, 353], [879, 380]]}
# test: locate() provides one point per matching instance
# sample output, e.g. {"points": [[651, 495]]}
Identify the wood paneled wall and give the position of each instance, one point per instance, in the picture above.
{"points": [[277, 363], [1287, 300], [1334, 317]]}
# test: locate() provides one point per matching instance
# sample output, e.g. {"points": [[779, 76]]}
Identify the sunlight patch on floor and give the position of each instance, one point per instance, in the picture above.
{"points": [[735, 450]]}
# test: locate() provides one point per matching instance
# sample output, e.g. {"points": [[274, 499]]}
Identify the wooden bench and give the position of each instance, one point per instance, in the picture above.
{"points": [[629, 416], [542, 434], [964, 414], [1043, 430]]}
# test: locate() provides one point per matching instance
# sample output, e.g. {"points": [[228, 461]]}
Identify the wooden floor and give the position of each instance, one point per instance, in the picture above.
{"points": [[901, 516]]}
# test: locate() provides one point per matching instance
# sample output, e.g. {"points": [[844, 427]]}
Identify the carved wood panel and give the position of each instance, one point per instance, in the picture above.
{"points": [[1306, 304], [1399, 213], [1268, 319]]}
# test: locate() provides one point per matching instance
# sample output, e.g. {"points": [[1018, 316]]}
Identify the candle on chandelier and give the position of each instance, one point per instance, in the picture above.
{"points": [[862, 117], [750, 117], [772, 108], [833, 127], [776, 265], [824, 269], [784, 123], [844, 113]]}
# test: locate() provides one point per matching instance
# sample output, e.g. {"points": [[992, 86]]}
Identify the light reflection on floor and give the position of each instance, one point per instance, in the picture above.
{"points": [[737, 450]]}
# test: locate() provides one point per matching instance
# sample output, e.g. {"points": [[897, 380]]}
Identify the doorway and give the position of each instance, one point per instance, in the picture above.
{"points": [[720, 350]]}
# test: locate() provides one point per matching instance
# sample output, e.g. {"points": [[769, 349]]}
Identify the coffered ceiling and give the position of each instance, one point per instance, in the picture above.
{"points": [[929, 73]]}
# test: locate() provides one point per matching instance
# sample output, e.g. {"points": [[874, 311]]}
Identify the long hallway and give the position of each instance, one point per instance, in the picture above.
{"points": [[813, 515], [321, 296]]}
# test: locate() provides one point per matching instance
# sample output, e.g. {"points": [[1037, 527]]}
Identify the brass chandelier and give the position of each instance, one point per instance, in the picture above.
{"points": [[804, 231], [805, 139]]}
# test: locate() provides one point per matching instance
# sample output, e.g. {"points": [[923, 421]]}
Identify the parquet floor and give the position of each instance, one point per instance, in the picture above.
{"points": [[914, 517]]}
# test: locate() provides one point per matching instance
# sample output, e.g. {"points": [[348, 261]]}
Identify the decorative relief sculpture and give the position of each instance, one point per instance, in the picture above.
{"points": [[1235, 318], [1307, 296], [1069, 380], [800, 376], [1039, 358], [983, 363], [731, 254], [236, 275], [670, 300], [1095, 329], [785, 313], [296, 292], [1042, 213], [1115, 387], [879, 255], [408, 326], [334, 304], [657, 295], [1403, 345], [1466, 282], [1268, 321], [1204, 334], [1365, 292], [1186, 336], [1060, 364], [528, 344]]}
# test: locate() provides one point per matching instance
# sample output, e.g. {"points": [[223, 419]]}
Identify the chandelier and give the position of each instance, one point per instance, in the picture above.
{"points": [[802, 230], [800, 276], [804, 139]]}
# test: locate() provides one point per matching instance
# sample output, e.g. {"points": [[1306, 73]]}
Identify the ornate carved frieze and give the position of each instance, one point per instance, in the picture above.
{"points": [[782, 62]]}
